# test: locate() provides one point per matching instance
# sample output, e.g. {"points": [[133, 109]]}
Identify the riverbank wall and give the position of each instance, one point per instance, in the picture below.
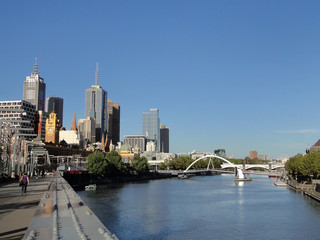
{"points": [[311, 190]]}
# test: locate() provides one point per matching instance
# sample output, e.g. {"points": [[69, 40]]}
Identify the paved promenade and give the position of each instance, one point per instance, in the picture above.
{"points": [[16, 210]]}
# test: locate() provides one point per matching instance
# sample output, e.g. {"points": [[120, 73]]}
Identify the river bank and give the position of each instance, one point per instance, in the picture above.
{"points": [[312, 190]]}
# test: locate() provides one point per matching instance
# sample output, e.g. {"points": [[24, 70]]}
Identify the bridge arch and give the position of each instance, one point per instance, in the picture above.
{"points": [[210, 156]]}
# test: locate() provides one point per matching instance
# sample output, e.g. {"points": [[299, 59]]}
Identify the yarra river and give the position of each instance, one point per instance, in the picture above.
{"points": [[205, 207]]}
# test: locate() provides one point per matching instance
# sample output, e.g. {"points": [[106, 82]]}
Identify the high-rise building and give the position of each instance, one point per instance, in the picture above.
{"points": [[96, 106], [151, 126], [164, 139], [113, 126], [87, 129], [19, 117], [34, 89], [55, 104], [253, 155]]}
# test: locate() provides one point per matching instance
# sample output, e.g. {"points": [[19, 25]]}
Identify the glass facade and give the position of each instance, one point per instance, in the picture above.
{"points": [[96, 107], [55, 104], [151, 126]]}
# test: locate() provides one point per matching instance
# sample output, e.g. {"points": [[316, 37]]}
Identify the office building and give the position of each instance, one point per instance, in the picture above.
{"points": [[164, 139], [151, 126], [137, 142], [264, 157], [113, 126], [19, 117], [253, 155], [34, 89], [55, 104], [96, 107], [87, 129]]}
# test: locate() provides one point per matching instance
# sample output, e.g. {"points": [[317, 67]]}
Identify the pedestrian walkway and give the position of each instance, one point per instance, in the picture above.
{"points": [[16, 210]]}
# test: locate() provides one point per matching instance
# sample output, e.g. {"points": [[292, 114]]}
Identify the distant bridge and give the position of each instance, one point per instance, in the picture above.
{"points": [[250, 166]]}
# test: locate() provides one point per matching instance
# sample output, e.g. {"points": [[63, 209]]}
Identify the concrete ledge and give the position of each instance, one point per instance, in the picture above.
{"points": [[61, 214]]}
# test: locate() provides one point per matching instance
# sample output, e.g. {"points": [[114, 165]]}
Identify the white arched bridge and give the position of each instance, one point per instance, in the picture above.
{"points": [[238, 168], [238, 171]]}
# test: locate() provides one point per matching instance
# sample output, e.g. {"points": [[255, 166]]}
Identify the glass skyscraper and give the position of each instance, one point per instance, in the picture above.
{"points": [[96, 107], [55, 104], [34, 89], [151, 126]]}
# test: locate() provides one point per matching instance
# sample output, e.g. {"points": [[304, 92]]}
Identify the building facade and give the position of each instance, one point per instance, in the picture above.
{"points": [[41, 118], [52, 129], [55, 104], [136, 142], [87, 129], [113, 126], [96, 107], [19, 117], [164, 139], [151, 126], [34, 89], [253, 155]]}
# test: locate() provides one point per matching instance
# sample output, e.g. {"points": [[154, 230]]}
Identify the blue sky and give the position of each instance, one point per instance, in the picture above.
{"points": [[238, 75]]}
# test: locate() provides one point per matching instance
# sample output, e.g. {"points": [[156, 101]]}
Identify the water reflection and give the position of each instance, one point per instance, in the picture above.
{"points": [[203, 207]]}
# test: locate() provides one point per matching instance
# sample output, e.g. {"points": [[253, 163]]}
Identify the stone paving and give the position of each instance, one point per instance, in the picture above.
{"points": [[16, 210]]}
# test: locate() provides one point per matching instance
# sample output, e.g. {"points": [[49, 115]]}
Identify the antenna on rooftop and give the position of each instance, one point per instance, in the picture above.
{"points": [[97, 74], [35, 66]]}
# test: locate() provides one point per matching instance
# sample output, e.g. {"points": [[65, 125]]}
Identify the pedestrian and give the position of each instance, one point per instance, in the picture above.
{"points": [[25, 181], [42, 175]]}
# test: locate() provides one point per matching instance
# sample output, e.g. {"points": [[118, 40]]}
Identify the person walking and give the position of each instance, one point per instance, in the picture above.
{"points": [[25, 181]]}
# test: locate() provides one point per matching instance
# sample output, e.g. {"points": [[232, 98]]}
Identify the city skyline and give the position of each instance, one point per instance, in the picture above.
{"points": [[239, 76]]}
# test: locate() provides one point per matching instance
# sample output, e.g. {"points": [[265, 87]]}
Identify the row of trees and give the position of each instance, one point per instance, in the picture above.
{"points": [[307, 165], [182, 163], [110, 165]]}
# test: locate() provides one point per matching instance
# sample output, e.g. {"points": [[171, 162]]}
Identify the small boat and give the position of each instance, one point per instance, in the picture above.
{"points": [[91, 187], [183, 176]]}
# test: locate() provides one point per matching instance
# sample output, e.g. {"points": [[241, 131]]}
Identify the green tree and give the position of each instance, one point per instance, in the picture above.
{"points": [[141, 165], [292, 165], [115, 165], [163, 165], [96, 164]]}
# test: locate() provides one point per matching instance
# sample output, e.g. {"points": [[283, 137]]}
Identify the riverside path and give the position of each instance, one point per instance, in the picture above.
{"points": [[16, 210], [51, 209]]}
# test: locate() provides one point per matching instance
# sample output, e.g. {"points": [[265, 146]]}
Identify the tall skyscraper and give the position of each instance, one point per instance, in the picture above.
{"points": [[164, 139], [34, 89], [113, 127], [151, 126], [55, 104], [96, 106]]}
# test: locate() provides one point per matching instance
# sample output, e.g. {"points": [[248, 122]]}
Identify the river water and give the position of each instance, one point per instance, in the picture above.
{"points": [[205, 207]]}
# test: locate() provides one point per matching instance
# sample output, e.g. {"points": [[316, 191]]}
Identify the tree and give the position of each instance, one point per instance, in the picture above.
{"points": [[115, 164], [96, 164], [141, 165], [292, 165]]}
